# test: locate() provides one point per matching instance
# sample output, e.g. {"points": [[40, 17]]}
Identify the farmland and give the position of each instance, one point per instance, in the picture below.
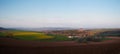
{"points": [[83, 36], [13, 46], [29, 35], [32, 36], [32, 42]]}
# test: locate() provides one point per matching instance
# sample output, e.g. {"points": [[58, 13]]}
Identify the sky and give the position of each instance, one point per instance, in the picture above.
{"points": [[60, 13]]}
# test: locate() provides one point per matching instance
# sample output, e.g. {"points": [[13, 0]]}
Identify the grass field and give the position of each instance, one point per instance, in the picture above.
{"points": [[30, 35]]}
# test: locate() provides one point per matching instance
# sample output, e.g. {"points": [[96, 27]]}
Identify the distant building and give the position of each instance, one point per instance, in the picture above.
{"points": [[72, 33], [80, 30]]}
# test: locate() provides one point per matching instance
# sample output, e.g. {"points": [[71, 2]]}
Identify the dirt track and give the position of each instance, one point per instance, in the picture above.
{"points": [[8, 46]]}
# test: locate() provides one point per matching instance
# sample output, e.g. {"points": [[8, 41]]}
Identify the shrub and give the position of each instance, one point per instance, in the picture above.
{"points": [[97, 38], [82, 40], [9, 35], [92, 38]]}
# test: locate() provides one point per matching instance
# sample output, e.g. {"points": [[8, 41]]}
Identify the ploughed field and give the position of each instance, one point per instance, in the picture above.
{"points": [[13, 46]]}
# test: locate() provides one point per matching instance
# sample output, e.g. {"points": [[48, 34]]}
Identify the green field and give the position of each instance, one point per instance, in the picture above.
{"points": [[30, 35]]}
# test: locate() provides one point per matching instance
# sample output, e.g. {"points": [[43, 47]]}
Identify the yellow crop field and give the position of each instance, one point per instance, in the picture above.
{"points": [[31, 35], [26, 33]]}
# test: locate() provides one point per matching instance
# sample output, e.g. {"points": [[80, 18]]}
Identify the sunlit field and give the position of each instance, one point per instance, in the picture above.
{"points": [[34, 36], [31, 35], [26, 35]]}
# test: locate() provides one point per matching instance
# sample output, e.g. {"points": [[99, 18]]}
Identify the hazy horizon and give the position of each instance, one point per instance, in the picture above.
{"points": [[60, 13]]}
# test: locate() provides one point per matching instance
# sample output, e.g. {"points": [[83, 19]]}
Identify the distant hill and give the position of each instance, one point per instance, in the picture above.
{"points": [[45, 29], [111, 33], [1, 28]]}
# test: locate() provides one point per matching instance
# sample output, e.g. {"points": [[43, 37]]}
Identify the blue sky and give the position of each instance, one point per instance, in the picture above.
{"points": [[60, 13]]}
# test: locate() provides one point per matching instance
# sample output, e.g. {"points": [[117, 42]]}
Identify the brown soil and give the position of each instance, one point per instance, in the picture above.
{"points": [[13, 46]]}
